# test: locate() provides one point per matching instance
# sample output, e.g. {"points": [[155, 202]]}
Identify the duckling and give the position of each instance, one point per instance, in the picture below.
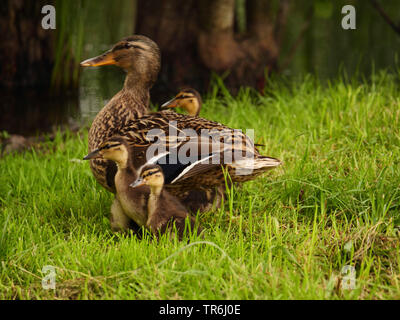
{"points": [[143, 203], [129, 204], [188, 99], [163, 209]]}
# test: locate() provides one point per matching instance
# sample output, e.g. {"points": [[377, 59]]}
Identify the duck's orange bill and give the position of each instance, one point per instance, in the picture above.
{"points": [[105, 59]]}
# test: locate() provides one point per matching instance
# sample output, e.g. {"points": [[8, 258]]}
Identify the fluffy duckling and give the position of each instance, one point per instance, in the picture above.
{"points": [[147, 204], [163, 209], [188, 99]]}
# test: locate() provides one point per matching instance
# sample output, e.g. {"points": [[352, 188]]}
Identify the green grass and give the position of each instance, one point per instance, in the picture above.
{"points": [[286, 235]]}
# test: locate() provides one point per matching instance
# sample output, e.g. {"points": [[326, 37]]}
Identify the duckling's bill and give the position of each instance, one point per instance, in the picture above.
{"points": [[137, 183], [93, 155], [170, 104]]}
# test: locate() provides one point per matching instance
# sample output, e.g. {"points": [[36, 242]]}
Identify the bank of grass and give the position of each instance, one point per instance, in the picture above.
{"points": [[286, 235]]}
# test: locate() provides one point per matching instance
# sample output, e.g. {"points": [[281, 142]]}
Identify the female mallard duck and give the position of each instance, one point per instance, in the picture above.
{"points": [[188, 99], [140, 58], [166, 137], [153, 208]]}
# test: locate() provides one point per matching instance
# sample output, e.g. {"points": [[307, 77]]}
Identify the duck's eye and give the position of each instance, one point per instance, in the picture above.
{"points": [[128, 45]]}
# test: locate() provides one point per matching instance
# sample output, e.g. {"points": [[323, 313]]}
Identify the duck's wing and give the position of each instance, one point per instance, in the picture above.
{"points": [[174, 172], [188, 158], [171, 129], [185, 146]]}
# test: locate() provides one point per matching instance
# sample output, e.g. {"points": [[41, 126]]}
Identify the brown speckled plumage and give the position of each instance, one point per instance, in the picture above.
{"points": [[127, 115], [110, 121]]}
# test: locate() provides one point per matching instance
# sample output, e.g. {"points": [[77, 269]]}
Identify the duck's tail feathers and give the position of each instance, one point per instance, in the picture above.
{"points": [[249, 165]]}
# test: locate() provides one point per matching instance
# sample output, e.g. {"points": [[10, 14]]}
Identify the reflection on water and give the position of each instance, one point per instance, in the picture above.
{"points": [[105, 24], [97, 87]]}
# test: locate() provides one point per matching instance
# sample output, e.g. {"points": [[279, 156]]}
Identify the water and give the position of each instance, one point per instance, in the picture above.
{"points": [[31, 112], [97, 87]]}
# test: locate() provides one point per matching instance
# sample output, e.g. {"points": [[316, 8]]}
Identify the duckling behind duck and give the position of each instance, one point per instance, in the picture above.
{"points": [[188, 99]]}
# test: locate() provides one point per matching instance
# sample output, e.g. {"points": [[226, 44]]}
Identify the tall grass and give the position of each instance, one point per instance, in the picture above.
{"points": [[286, 235]]}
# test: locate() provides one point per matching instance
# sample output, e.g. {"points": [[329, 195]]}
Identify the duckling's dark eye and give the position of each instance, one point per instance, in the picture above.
{"points": [[128, 45]]}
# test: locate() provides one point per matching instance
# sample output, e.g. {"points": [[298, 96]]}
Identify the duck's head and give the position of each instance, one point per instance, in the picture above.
{"points": [[150, 175], [115, 149], [188, 99], [135, 54]]}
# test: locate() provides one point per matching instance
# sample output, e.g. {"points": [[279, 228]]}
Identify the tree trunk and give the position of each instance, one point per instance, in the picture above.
{"points": [[26, 50], [198, 37]]}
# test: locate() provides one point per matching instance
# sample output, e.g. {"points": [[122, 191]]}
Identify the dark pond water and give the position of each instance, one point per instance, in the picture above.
{"points": [[103, 23], [28, 112]]}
